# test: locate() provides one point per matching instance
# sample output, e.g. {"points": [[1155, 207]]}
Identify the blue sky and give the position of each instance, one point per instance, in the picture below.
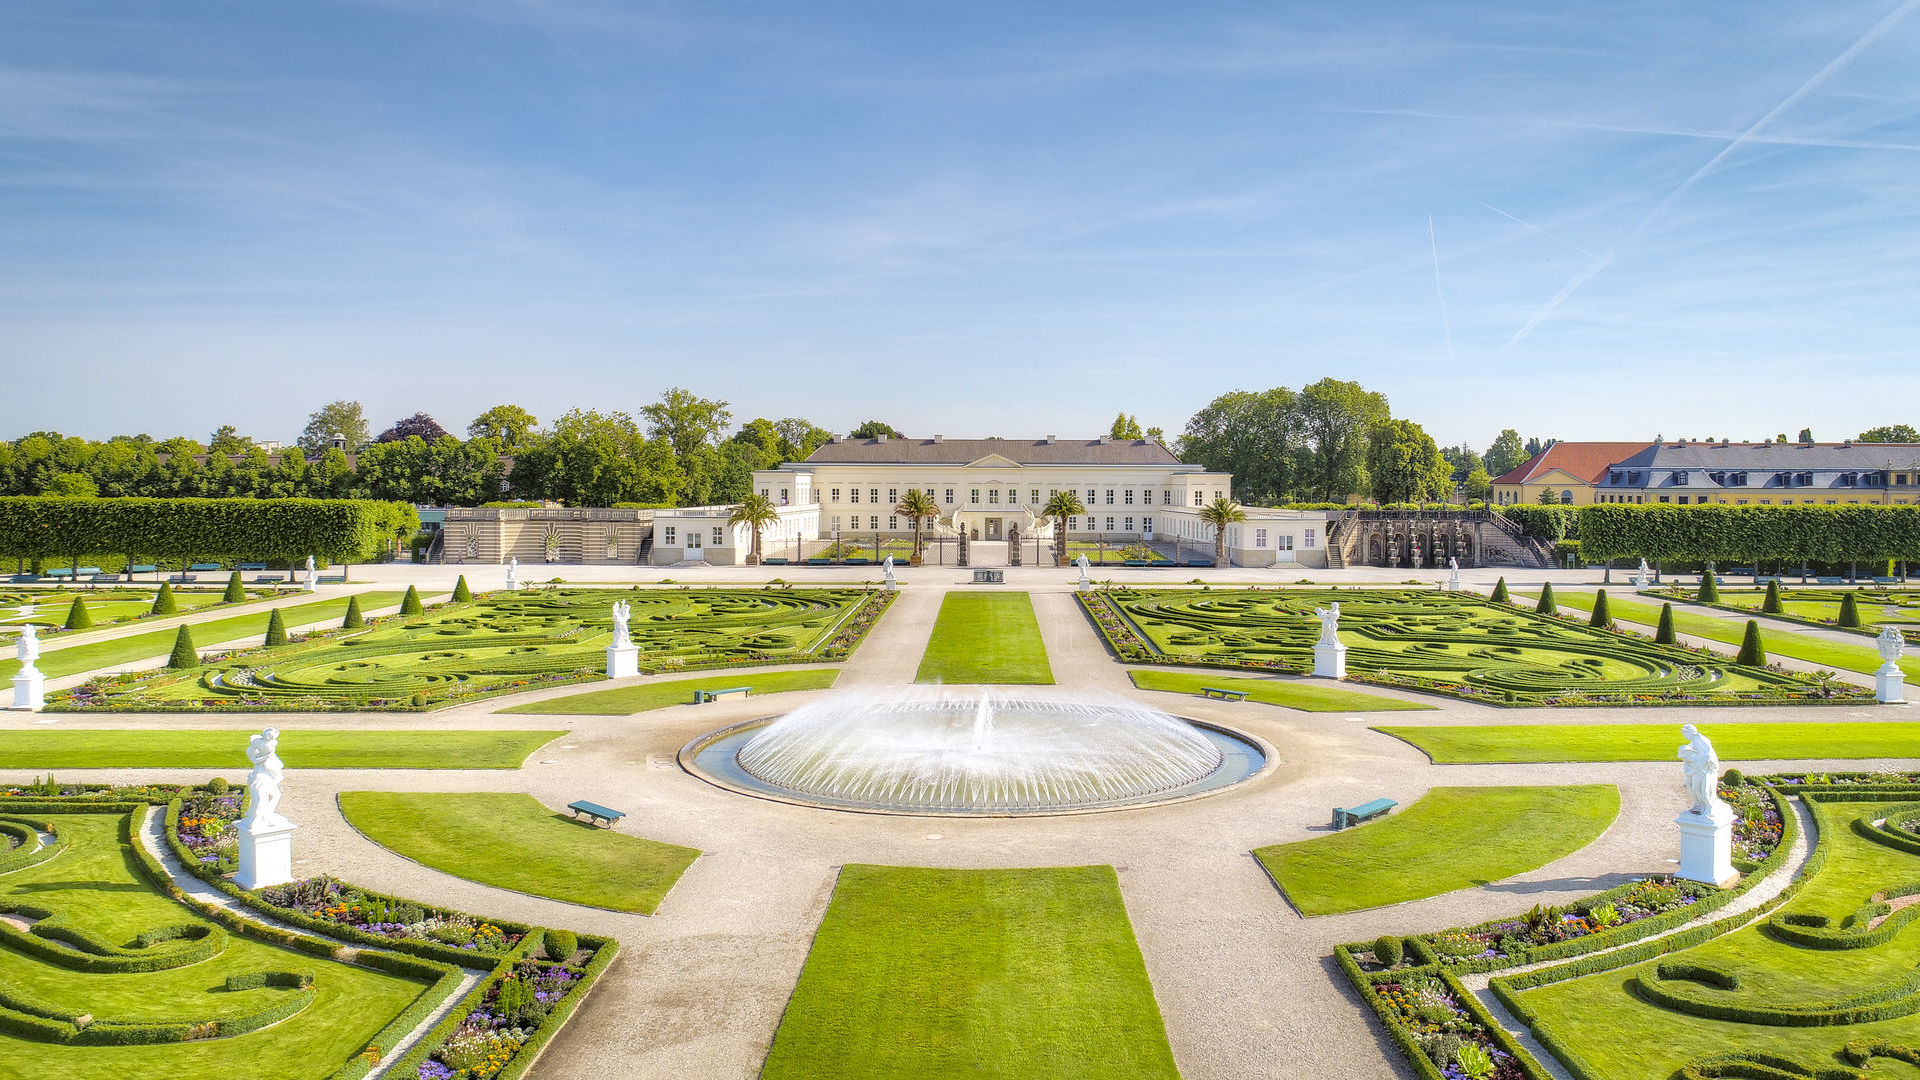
{"points": [[1581, 220]]}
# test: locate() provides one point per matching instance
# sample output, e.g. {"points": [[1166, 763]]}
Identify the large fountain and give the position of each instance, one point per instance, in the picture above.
{"points": [[933, 751]]}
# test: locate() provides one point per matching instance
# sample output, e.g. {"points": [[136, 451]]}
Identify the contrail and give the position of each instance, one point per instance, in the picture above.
{"points": [[1541, 231], [1819, 77], [1446, 320]]}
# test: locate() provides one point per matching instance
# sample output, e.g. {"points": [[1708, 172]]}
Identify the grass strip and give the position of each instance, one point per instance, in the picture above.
{"points": [[1453, 838], [636, 699], [513, 842], [1534, 743], [985, 638], [114, 652], [69, 748], [1288, 694], [1003, 974]]}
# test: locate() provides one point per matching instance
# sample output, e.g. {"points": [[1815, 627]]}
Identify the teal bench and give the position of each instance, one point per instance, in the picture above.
{"points": [[773, 562], [701, 697], [1199, 562], [1348, 817], [1136, 562], [204, 567], [595, 812], [340, 579], [104, 579], [1830, 581], [1223, 694], [819, 562], [143, 568], [1886, 581], [251, 567], [1765, 578]]}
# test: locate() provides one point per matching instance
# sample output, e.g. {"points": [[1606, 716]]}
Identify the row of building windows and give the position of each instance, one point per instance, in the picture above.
{"points": [[1094, 496]]}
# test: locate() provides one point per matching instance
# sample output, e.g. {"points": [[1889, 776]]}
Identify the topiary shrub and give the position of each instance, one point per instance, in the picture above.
{"points": [[1771, 605], [163, 602], [1500, 591], [276, 629], [1709, 589], [236, 592], [1733, 778], [1547, 606], [1387, 951], [461, 594], [1602, 616], [1663, 634], [218, 786], [562, 944], [1849, 611], [410, 604], [184, 655], [78, 617], [419, 699], [354, 619], [1751, 654]]}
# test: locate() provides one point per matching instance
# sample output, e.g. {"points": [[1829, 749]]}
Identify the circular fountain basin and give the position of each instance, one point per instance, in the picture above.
{"points": [[942, 753]]}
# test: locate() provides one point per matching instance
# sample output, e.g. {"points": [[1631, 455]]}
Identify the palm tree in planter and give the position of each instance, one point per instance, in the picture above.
{"points": [[920, 508], [756, 512], [1063, 505], [1221, 513]]}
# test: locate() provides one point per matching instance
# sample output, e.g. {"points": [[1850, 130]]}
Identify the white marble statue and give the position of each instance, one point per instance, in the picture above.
{"points": [[28, 647], [1329, 624], [1703, 771], [310, 578], [621, 613], [264, 782], [513, 573], [1892, 646], [1453, 574]]}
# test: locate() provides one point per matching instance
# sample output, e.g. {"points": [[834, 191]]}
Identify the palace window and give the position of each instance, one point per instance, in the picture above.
{"points": [[1166, 497], [874, 522], [763, 493], [836, 494], [1129, 525], [893, 496], [1680, 478], [1109, 524], [993, 495], [783, 496], [976, 497], [1146, 525], [1259, 538], [1089, 496], [1109, 496], [670, 536], [719, 536], [853, 495], [949, 496], [1036, 495], [873, 494], [836, 523], [1199, 499], [1073, 524], [892, 522], [1129, 496]]}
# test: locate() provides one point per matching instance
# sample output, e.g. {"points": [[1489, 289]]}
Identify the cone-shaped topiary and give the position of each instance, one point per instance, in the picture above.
{"points": [[236, 592], [1709, 589], [461, 594], [1546, 606], [354, 619], [1663, 635], [1751, 654], [1849, 611], [184, 654], [1771, 605], [1602, 615], [410, 604], [163, 602], [1500, 592], [78, 617], [276, 629]]}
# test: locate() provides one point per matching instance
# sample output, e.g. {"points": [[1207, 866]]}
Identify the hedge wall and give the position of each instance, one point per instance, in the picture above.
{"points": [[1729, 534], [339, 530]]}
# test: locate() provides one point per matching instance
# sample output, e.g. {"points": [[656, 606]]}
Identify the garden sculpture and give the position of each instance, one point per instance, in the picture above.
{"points": [[1891, 645], [513, 571], [28, 649], [1081, 562], [268, 771], [886, 568], [310, 579], [621, 611], [1453, 574], [1644, 576], [1703, 771], [1329, 624]]}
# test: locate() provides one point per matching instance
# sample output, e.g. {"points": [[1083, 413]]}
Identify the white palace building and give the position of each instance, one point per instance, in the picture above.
{"points": [[1135, 491]]}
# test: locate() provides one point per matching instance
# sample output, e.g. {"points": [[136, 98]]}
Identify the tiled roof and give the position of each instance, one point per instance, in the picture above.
{"points": [[1586, 460], [962, 451]]}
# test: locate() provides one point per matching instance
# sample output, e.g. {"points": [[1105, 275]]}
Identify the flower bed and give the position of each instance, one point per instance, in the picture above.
{"points": [[1429, 1008], [329, 900]]}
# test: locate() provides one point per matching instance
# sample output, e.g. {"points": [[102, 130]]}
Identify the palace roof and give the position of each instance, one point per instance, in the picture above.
{"points": [[943, 451]]}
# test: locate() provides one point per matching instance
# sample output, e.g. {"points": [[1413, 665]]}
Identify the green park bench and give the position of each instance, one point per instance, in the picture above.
{"points": [[1347, 817], [1223, 694], [23, 579], [104, 579], [773, 562], [337, 579], [251, 567], [1199, 562], [701, 697], [1830, 581], [1136, 562], [205, 567], [595, 812], [1765, 578], [1885, 581], [819, 562], [143, 568]]}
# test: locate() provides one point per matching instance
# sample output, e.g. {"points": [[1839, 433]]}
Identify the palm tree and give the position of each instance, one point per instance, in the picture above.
{"points": [[1063, 505], [1221, 513], [755, 511], [919, 506]]}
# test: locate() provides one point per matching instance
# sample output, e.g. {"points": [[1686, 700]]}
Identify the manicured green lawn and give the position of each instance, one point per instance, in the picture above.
{"points": [[635, 699], [96, 885], [43, 748], [985, 638], [1002, 974], [1291, 694], [1453, 838], [126, 650], [1526, 743], [513, 842], [106, 606]]}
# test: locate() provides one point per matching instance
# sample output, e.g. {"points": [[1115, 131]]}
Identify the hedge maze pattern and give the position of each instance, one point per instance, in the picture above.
{"points": [[509, 641], [1449, 643]]}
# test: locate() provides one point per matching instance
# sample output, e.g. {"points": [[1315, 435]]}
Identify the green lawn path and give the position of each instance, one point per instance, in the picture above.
{"points": [[96, 885], [1453, 838], [985, 638], [635, 699], [1535, 743], [514, 842], [59, 663], [71, 748], [997, 974], [1286, 693]]}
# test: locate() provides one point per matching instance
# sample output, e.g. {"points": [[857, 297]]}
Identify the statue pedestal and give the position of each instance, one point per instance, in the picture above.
{"points": [[623, 661], [1329, 660], [266, 855], [29, 689], [1706, 845], [1453, 585], [1889, 686]]}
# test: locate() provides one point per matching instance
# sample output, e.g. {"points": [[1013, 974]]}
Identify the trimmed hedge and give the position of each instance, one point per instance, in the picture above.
{"points": [[26, 854], [1731, 534], [340, 530], [81, 950]]}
